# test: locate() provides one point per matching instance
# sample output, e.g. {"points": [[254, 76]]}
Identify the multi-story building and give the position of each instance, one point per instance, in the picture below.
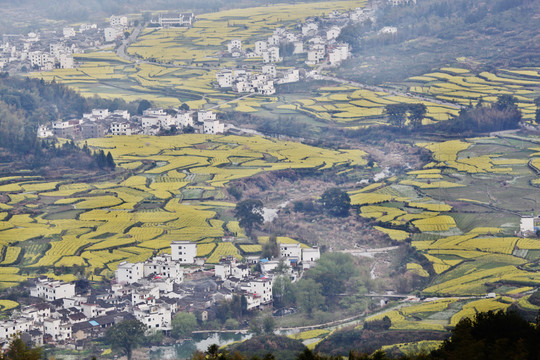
{"points": [[52, 289], [184, 251], [129, 273], [163, 266]]}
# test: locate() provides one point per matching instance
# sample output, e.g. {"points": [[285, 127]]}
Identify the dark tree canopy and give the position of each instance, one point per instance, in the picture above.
{"points": [[126, 336], [249, 214], [500, 335], [336, 201]]}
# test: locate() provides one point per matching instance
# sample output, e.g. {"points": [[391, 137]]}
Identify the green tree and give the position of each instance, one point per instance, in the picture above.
{"points": [[309, 296], [396, 114], [270, 249], [336, 201], [110, 161], [183, 324], [249, 213], [143, 105], [17, 350], [332, 272], [416, 113], [268, 324], [500, 335], [282, 292], [126, 336], [506, 102]]}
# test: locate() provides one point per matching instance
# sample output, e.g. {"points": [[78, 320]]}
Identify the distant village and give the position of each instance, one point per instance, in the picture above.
{"points": [[314, 38], [151, 292], [153, 121]]}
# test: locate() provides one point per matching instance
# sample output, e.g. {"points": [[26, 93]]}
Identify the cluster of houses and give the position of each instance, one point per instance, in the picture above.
{"points": [[102, 122], [260, 82], [151, 292], [316, 38], [48, 50]]}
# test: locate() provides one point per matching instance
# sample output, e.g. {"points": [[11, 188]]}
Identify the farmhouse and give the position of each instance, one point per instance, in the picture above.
{"points": [[529, 224], [52, 289], [174, 20]]}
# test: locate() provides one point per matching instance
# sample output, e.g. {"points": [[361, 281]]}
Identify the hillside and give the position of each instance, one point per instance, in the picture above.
{"points": [[483, 35]]}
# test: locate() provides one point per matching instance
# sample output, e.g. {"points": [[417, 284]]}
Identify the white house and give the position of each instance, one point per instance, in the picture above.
{"points": [[315, 54], [271, 55], [184, 118], [120, 128], [51, 290], [269, 70], [111, 34], [204, 115], [260, 47], [291, 76], [388, 30], [290, 250], [180, 20], [529, 224], [298, 47], [213, 127], [44, 132], [310, 29], [145, 295], [68, 32], [234, 45], [225, 78], [184, 251], [154, 317], [118, 21], [11, 328], [261, 288], [222, 271], [57, 329], [163, 266], [65, 60], [333, 33], [311, 254], [128, 273]]}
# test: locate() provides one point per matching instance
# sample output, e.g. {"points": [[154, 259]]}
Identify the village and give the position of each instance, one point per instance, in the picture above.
{"points": [[151, 292], [153, 121]]}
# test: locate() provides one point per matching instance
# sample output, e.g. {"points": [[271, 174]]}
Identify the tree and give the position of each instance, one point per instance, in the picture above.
{"points": [[506, 102], [143, 105], [110, 161], [309, 296], [17, 350], [126, 336], [268, 324], [183, 324], [184, 107], [416, 113], [270, 249], [500, 335], [396, 114], [336, 201], [332, 271], [249, 212], [282, 292]]}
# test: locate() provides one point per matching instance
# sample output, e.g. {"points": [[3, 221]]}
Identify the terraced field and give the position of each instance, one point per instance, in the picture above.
{"points": [[461, 212], [170, 194], [464, 87]]}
